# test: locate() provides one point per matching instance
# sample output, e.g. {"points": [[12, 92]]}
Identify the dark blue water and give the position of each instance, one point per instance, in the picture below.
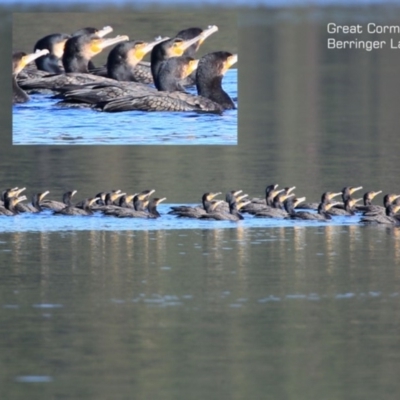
{"points": [[41, 121]]}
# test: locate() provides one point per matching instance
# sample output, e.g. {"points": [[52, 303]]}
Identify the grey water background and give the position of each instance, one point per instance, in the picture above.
{"points": [[98, 308], [42, 121]]}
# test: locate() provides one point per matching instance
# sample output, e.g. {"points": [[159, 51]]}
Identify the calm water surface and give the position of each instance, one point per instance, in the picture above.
{"points": [[41, 121], [285, 312]]}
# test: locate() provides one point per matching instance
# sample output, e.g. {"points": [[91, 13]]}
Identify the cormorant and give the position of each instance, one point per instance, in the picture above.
{"points": [[151, 210], [196, 212], [174, 71], [278, 209], [123, 61], [35, 206], [347, 191], [325, 198], [232, 195], [348, 209], [388, 199], [55, 44], [98, 93], [10, 204], [257, 204], [10, 192], [19, 61], [321, 215], [211, 97], [80, 49], [85, 210], [367, 198], [390, 217], [77, 53], [174, 47], [125, 202], [233, 214], [57, 205], [140, 204], [111, 200], [142, 71]]}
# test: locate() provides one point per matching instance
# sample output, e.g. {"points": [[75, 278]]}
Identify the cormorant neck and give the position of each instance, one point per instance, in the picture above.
{"points": [[19, 96], [212, 89], [49, 63], [76, 64], [207, 205], [138, 204], [153, 211], [35, 203], [156, 59], [168, 77]]}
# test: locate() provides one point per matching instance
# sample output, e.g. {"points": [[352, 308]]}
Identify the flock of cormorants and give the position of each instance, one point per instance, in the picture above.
{"points": [[278, 203], [63, 66]]}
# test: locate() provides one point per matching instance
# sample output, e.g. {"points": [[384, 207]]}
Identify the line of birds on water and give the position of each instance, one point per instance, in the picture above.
{"points": [[278, 203], [63, 66]]}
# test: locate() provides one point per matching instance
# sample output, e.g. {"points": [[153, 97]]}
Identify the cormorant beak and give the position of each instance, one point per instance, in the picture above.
{"points": [[332, 195], [97, 45], [180, 46], [43, 195], [33, 56], [74, 192], [374, 194], [212, 195], [25, 60], [143, 196], [215, 204], [238, 198], [287, 195], [160, 39], [142, 49], [330, 205], [207, 32], [354, 201], [290, 189], [91, 201], [393, 198], [276, 192], [147, 195], [352, 190], [237, 192], [160, 200], [16, 192], [116, 196], [298, 201], [19, 199], [242, 204], [104, 31], [130, 197]]}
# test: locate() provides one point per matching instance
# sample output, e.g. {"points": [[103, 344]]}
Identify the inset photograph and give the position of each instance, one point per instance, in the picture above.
{"points": [[145, 78]]}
